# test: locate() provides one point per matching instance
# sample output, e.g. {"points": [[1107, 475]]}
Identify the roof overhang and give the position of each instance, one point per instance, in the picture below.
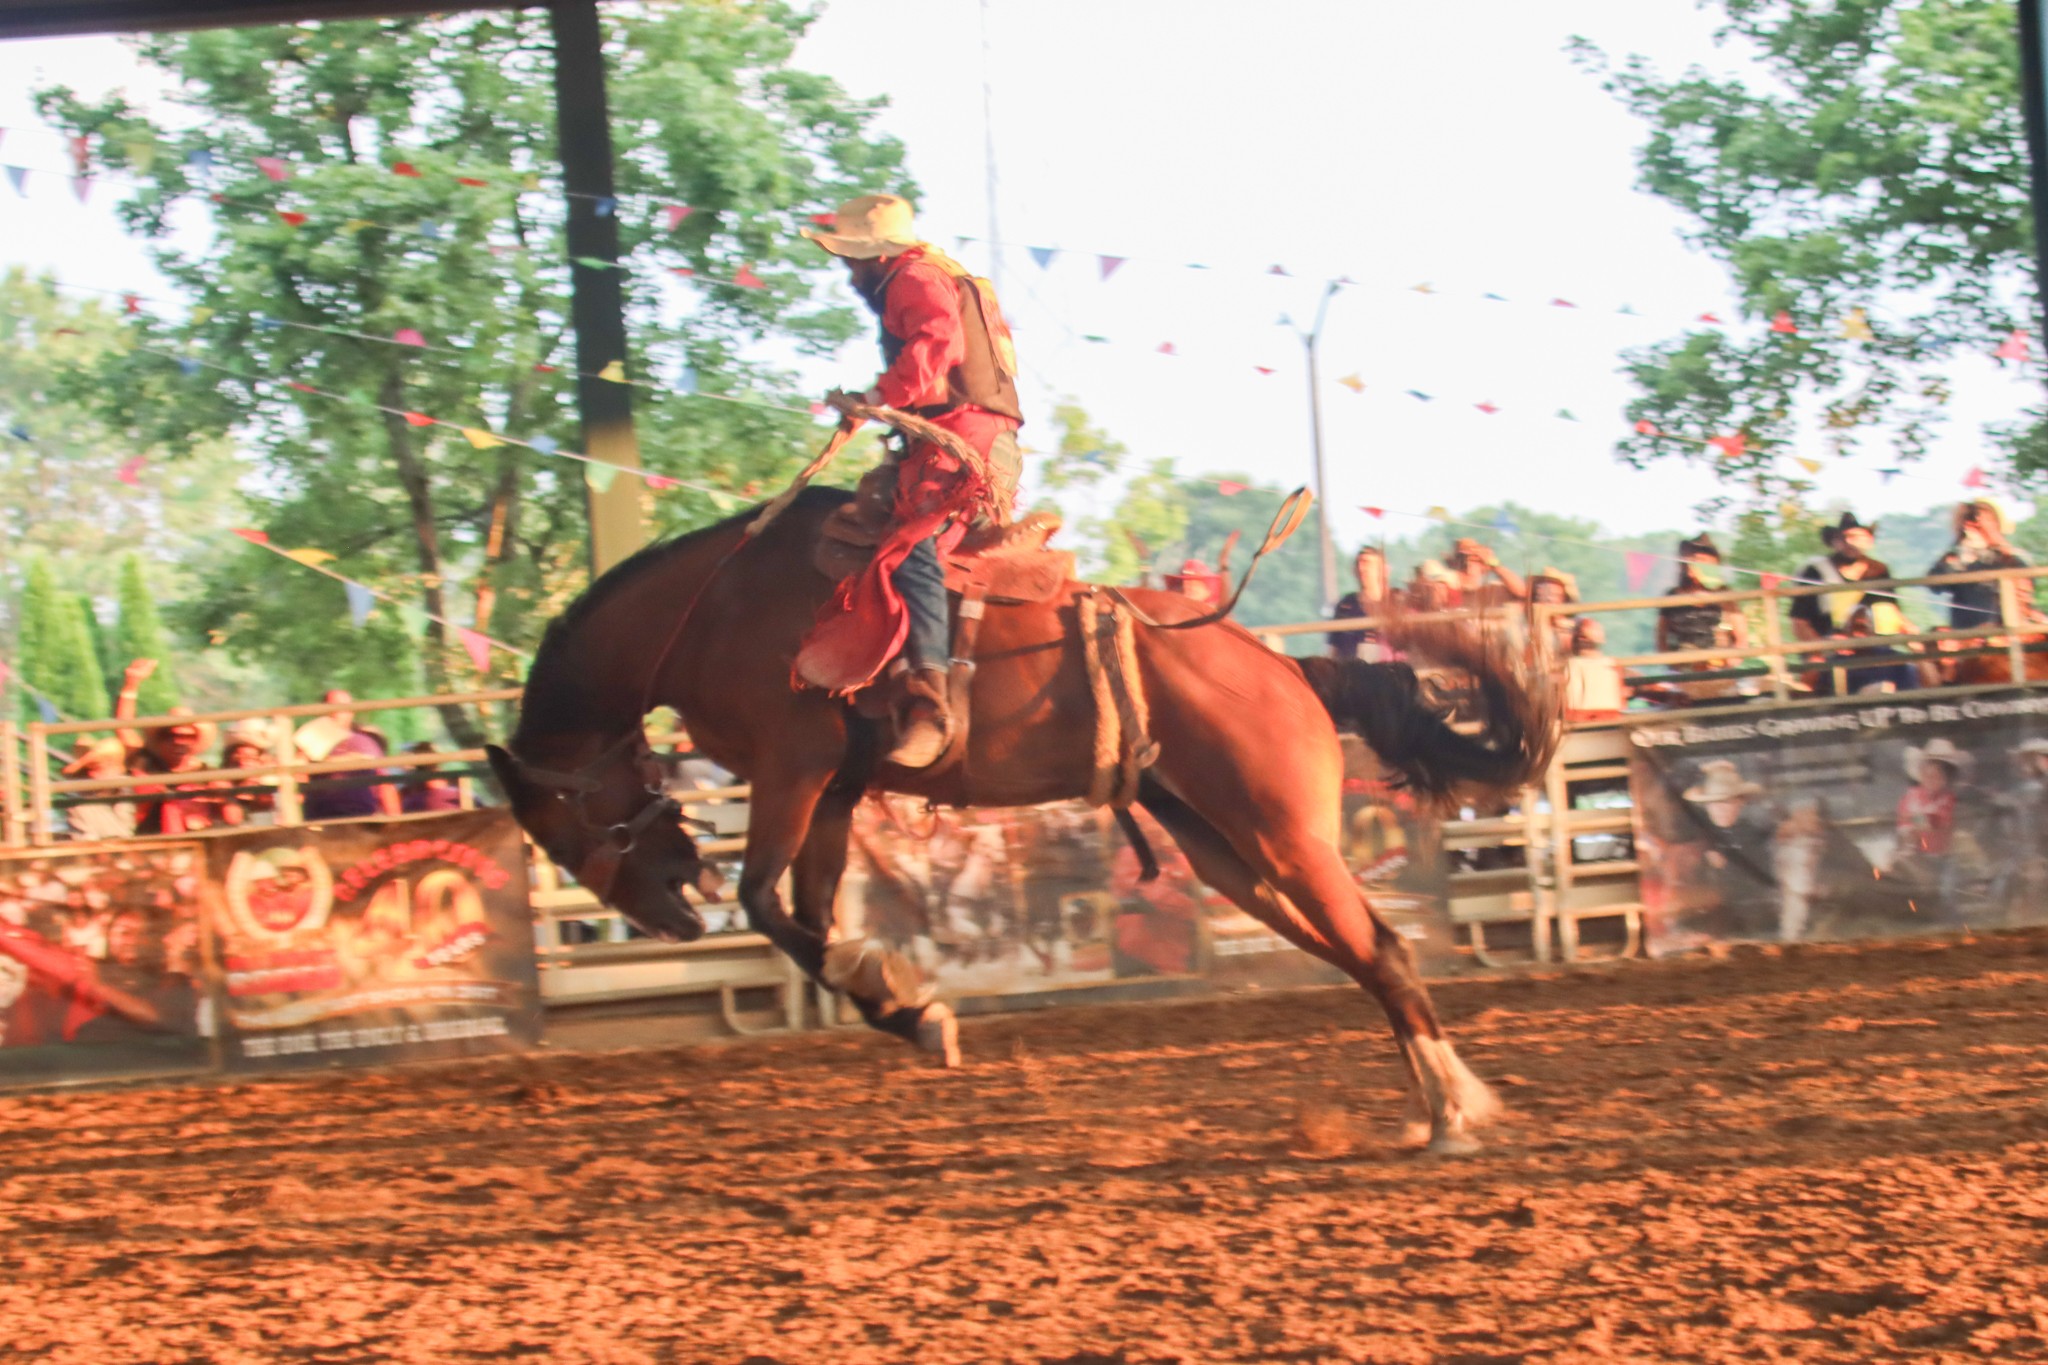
{"points": [[44, 18]]}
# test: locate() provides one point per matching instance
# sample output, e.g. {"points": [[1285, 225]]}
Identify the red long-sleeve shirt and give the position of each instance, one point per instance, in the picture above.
{"points": [[922, 308]]}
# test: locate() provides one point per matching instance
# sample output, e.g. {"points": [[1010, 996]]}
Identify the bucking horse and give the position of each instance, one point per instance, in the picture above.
{"points": [[1231, 746]]}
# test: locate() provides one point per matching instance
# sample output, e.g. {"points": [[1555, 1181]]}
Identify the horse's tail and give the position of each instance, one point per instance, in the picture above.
{"points": [[1386, 706]]}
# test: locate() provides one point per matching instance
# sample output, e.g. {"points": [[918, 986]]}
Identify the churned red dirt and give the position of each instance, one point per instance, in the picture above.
{"points": [[1829, 1154]]}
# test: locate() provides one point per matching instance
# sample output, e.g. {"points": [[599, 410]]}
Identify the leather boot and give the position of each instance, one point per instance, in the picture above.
{"points": [[924, 724]]}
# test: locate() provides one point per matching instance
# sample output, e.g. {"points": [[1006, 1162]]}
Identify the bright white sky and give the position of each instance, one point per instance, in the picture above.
{"points": [[1393, 143]]}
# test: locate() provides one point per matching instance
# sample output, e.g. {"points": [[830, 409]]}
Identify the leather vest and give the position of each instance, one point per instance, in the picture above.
{"points": [[979, 378]]}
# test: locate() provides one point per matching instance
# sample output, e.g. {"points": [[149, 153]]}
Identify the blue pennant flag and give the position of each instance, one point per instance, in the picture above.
{"points": [[686, 379], [1495, 297], [605, 205], [1418, 393], [199, 159], [1504, 524], [1043, 255], [188, 365], [546, 445], [19, 432], [47, 711], [360, 600], [15, 176], [431, 231], [268, 324]]}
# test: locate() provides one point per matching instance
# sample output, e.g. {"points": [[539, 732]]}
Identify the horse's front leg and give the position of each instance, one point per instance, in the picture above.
{"points": [[803, 823]]}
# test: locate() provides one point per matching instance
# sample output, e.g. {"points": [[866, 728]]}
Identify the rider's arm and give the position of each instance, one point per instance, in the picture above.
{"points": [[923, 308]]}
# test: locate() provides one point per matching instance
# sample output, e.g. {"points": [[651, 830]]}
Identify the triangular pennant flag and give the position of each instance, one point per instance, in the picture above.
{"points": [[354, 225], [309, 556], [614, 370], [1043, 255], [199, 159], [1769, 581], [1975, 478], [1887, 475], [431, 231], [15, 176], [530, 181], [188, 366], [47, 711], [1438, 514], [1374, 512], [1647, 428], [1856, 327], [418, 419], [293, 218], [199, 316], [1496, 298], [600, 475], [252, 536], [1424, 288], [1565, 415], [471, 181], [745, 278], [1734, 445], [298, 387], [605, 206], [360, 601], [660, 482], [1810, 466], [478, 647], [1263, 369], [1108, 265], [1488, 408], [1504, 524], [1278, 270], [1562, 303], [684, 271], [274, 167], [1166, 348], [80, 142], [819, 409], [1627, 310], [1230, 488], [686, 379], [81, 185], [1640, 565], [141, 155], [546, 445], [1709, 317], [2014, 347], [1353, 383], [405, 168], [1782, 324], [1789, 511], [673, 215], [408, 336], [130, 471], [481, 439], [412, 619], [1419, 394]]}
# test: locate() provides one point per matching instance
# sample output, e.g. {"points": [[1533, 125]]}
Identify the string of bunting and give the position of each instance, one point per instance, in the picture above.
{"points": [[45, 708]]}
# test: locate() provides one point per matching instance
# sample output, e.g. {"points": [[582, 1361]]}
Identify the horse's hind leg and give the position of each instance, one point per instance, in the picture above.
{"points": [[1311, 901]]}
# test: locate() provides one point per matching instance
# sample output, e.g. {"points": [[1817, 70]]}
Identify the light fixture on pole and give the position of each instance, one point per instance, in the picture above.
{"points": [[1309, 339]]}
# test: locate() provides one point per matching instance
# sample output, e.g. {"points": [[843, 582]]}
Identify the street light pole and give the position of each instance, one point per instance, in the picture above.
{"points": [[1315, 431]]}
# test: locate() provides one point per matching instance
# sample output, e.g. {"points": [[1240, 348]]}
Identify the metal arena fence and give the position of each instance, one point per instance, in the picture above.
{"points": [[1523, 881]]}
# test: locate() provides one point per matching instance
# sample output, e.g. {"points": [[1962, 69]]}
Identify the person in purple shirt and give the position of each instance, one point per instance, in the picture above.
{"points": [[343, 796]]}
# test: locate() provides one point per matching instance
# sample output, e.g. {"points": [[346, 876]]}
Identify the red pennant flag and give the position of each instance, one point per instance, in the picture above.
{"points": [[273, 166], [684, 271], [1488, 408], [819, 409], [1108, 264], [1640, 565], [1562, 303], [295, 219], [405, 168], [1709, 317], [1166, 348], [660, 482], [302, 388], [1733, 445], [1374, 512], [1783, 325], [418, 419], [1768, 581], [825, 219], [1647, 428], [471, 181], [1230, 489], [1263, 369], [79, 143], [130, 471], [1278, 270], [81, 186], [2014, 347], [673, 215], [131, 303], [408, 336], [253, 537], [478, 647], [1975, 478], [547, 369], [745, 278]]}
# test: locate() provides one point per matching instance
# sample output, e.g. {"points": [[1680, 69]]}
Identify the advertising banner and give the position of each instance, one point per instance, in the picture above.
{"points": [[1862, 818], [373, 942], [101, 963]]}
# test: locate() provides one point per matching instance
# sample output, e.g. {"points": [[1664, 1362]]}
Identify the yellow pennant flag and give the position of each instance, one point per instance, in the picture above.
{"points": [[356, 225], [615, 371], [1425, 288], [599, 475], [1353, 383], [199, 316], [529, 181], [1810, 466], [1856, 327], [481, 439], [1790, 511], [1440, 513], [309, 556], [141, 155]]}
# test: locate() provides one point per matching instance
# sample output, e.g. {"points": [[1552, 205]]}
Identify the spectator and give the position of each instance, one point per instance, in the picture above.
{"points": [[1483, 581], [180, 808], [1701, 625], [1981, 529], [332, 738], [1370, 600], [1868, 668], [97, 818], [429, 789], [1552, 586], [1434, 588], [247, 745], [1593, 686], [1819, 615]]}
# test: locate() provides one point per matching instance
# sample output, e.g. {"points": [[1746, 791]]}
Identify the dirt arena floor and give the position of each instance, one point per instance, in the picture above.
{"points": [[1825, 1154]]}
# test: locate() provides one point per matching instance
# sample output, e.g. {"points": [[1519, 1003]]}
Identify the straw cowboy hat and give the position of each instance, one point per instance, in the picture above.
{"points": [[1435, 571], [317, 737], [872, 225], [1938, 751], [1991, 505], [1553, 574], [85, 751], [1721, 780]]}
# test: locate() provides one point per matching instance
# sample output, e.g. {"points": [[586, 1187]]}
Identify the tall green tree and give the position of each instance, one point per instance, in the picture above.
{"points": [[139, 634], [54, 648], [35, 632], [419, 176], [1875, 161]]}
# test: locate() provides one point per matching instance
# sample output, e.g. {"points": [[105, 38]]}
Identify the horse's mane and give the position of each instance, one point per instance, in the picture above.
{"points": [[557, 691]]}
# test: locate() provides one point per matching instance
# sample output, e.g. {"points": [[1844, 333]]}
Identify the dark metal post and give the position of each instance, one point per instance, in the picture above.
{"points": [[618, 521], [2034, 92]]}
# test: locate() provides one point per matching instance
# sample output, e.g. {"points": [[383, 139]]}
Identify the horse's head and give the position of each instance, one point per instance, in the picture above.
{"points": [[609, 824]]}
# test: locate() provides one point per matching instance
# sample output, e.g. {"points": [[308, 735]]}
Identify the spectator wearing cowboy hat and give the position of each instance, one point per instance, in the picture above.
{"points": [[1434, 588], [1982, 528], [1701, 625], [1552, 586], [1483, 581], [1739, 837], [1926, 824], [1819, 615], [167, 750], [92, 818]]}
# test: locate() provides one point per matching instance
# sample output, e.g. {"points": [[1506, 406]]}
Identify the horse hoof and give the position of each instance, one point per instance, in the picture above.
{"points": [[938, 1033], [1453, 1144]]}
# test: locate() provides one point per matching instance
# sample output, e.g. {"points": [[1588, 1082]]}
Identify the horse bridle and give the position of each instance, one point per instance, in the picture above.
{"points": [[600, 868]]}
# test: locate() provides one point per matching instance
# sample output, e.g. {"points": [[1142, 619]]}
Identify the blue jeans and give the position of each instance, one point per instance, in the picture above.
{"points": [[921, 579]]}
